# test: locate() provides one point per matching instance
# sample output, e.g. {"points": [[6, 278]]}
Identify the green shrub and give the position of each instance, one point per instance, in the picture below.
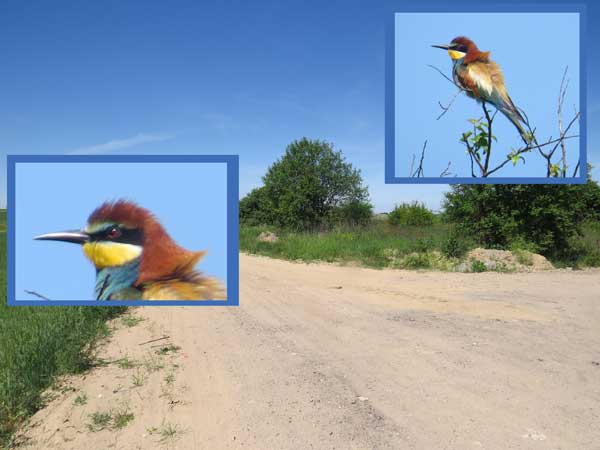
{"points": [[306, 185], [415, 261], [411, 214], [353, 214], [547, 217], [255, 208], [454, 247], [478, 266], [423, 245]]}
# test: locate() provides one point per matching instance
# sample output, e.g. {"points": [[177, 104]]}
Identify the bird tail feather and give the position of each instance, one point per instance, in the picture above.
{"points": [[512, 113]]}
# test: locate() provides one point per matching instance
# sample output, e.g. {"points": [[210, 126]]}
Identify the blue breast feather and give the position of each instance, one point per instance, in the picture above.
{"points": [[116, 283]]}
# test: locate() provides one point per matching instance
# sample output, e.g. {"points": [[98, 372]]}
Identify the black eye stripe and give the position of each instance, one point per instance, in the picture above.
{"points": [[128, 235], [459, 48]]}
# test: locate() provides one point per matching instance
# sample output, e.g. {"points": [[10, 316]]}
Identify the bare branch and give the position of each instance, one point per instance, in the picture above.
{"points": [[490, 120], [419, 172], [35, 294], [444, 75], [446, 172], [576, 169], [412, 164], [445, 109], [527, 149]]}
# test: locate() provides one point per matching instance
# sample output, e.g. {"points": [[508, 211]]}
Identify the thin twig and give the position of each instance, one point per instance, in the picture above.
{"points": [[419, 172], [154, 340], [445, 109], [527, 149], [576, 169], [43, 297], [490, 120], [446, 171], [445, 76], [561, 99]]}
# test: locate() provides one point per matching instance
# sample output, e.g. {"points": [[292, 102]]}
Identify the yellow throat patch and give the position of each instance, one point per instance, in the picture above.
{"points": [[456, 54], [110, 254]]}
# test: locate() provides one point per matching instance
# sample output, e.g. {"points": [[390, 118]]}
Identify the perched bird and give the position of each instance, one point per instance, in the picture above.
{"points": [[135, 258], [482, 79]]}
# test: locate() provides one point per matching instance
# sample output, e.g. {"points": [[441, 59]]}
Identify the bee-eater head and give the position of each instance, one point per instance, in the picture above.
{"points": [[120, 232], [459, 48]]}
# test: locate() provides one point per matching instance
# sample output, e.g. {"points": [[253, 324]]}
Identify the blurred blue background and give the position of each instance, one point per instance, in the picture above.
{"points": [[219, 76], [533, 63], [189, 199]]}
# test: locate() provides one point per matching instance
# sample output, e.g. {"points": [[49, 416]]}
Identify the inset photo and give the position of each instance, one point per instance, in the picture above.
{"points": [[494, 95], [123, 230]]}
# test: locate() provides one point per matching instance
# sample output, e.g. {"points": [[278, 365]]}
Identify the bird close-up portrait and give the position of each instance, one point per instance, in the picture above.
{"points": [[135, 257]]}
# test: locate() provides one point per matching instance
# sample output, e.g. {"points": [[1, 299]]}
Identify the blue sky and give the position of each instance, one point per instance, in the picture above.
{"points": [[533, 66], [207, 77], [188, 198]]}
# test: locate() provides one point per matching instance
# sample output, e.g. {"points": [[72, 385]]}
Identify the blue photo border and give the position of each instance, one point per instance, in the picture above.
{"points": [[232, 162], [479, 7]]}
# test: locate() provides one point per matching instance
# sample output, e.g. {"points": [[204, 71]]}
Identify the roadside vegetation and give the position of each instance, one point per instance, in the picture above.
{"points": [[39, 344], [313, 206]]}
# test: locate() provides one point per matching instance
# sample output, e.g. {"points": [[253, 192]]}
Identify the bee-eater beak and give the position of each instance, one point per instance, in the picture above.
{"points": [[74, 236], [443, 47]]}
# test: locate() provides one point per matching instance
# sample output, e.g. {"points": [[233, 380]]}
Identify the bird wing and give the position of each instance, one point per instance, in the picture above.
{"points": [[486, 81], [478, 78]]}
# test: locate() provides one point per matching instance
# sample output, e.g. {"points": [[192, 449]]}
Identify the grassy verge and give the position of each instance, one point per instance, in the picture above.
{"points": [[382, 245], [38, 344], [378, 245]]}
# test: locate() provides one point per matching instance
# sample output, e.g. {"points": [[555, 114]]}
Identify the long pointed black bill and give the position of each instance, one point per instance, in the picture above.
{"points": [[74, 236], [443, 47]]}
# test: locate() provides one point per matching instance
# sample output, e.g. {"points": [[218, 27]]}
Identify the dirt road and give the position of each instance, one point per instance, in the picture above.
{"points": [[327, 357]]}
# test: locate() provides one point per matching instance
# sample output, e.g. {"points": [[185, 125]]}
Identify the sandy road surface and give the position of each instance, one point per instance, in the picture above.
{"points": [[326, 357]]}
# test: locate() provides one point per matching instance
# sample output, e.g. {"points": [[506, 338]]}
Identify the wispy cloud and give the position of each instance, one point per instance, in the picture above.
{"points": [[119, 144]]}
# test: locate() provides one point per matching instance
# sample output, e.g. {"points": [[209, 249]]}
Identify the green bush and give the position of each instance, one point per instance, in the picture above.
{"points": [[255, 208], [544, 217], [424, 245], [454, 247], [353, 214], [478, 266], [411, 214], [306, 189]]}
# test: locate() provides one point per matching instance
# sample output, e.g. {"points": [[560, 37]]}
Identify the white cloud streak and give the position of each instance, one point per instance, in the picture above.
{"points": [[120, 144]]}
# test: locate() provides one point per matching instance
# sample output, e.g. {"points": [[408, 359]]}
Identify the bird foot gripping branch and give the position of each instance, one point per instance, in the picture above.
{"points": [[136, 259]]}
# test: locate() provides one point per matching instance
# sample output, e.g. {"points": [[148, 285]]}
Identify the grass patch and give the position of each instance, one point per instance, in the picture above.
{"points": [[39, 344], [99, 420], [118, 419], [81, 399], [122, 418], [377, 245], [130, 320], [437, 246], [167, 431], [126, 363], [152, 363], [138, 379]]}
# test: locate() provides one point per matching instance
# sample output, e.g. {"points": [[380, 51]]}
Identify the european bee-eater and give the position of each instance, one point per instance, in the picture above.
{"points": [[482, 79], [135, 258]]}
